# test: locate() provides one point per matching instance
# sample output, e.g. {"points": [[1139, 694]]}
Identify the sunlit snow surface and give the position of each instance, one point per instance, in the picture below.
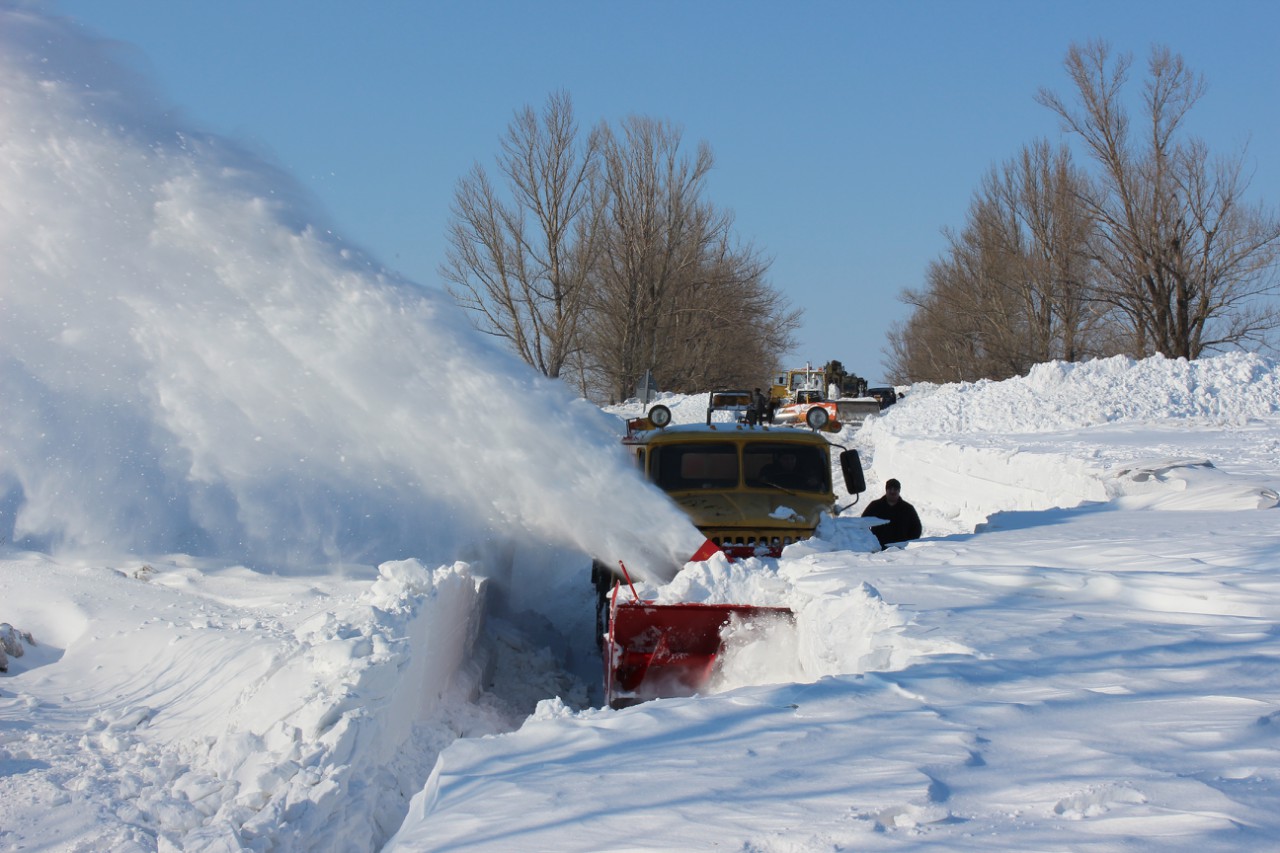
{"points": [[199, 384], [1095, 674]]}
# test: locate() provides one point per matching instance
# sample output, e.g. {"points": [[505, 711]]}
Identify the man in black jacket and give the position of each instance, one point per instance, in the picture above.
{"points": [[901, 521]]}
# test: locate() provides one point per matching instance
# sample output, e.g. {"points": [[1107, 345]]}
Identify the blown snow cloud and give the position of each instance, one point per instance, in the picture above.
{"points": [[191, 361]]}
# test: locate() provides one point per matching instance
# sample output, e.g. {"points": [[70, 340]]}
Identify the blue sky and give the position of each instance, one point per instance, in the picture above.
{"points": [[847, 135]]}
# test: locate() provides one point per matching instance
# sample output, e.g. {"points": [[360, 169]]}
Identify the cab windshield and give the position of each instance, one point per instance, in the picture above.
{"points": [[717, 465], [801, 468]]}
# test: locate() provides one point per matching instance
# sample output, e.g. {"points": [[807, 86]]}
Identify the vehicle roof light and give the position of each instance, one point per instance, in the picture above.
{"points": [[660, 416]]}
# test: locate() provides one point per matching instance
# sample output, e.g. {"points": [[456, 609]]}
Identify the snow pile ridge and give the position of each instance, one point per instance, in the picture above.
{"points": [[1226, 389], [361, 681]]}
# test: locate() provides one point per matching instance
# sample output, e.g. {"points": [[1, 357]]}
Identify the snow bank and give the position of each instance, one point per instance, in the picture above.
{"points": [[273, 727], [1067, 434], [1227, 389]]}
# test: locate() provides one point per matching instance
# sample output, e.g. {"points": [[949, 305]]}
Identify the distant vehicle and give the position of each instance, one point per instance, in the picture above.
{"points": [[787, 385], [884, 395], [841, 411], [736, 402]]}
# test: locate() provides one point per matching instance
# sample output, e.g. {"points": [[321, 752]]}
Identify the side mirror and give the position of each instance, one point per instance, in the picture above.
{"points": [[851, 466]]}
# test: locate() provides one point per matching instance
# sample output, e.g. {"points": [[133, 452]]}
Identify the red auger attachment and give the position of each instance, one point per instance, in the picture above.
{"points": [[653, 651], [662, 650]]}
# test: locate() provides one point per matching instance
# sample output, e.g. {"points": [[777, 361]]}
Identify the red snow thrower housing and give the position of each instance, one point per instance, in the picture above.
{"points": [[654, 651]]}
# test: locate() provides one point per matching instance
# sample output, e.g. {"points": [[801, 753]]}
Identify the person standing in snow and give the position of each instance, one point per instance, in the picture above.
{"points": [[759, 408], [902, 521]]}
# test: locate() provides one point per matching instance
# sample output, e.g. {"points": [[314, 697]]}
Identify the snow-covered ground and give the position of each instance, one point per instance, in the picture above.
{"points": [[1092, 667], [304, 566]]}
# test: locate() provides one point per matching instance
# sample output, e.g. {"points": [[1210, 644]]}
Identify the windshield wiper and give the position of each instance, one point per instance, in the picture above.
{"points": [[774, 485]]}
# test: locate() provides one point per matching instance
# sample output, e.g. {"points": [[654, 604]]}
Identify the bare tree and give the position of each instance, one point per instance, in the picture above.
{"points": [[1190, 264], [673, 294], [522, 264], [726, 326], [1157, 251], [657, 229], [934, 344], [599, 258], [1044, 232], [1015, 286]]}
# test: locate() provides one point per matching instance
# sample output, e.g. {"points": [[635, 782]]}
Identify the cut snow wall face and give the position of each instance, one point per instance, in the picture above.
{"points": [[966, 485], [356, 686]]}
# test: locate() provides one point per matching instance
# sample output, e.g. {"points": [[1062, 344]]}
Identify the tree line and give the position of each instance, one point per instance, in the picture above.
{"points": [[599, 259], [1148, 247]]}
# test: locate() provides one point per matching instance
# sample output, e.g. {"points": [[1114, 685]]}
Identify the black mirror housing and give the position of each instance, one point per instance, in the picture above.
{"points": [[855, 482]]}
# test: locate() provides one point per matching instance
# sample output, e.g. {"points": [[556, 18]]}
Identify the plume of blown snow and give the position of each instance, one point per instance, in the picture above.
{"points": [[192, 361]]}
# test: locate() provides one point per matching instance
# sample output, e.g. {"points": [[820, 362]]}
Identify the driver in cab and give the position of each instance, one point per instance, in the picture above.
{"points": [[785, 472]]}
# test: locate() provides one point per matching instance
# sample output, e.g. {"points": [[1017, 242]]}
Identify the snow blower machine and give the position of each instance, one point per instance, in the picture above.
{"points": [[752, 488]]}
